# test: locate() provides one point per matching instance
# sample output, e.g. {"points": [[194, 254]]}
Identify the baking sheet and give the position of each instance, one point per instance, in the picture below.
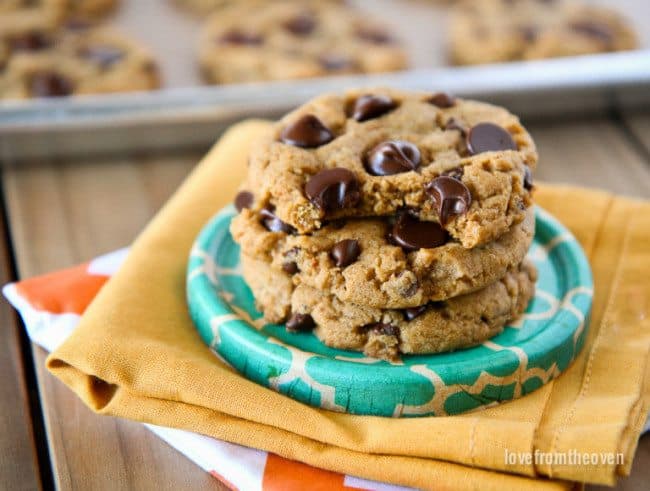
{"points": [[186, 113]]}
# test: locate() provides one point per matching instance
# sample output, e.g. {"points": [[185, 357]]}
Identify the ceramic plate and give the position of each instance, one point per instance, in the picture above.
{"points": [[526, 355]]}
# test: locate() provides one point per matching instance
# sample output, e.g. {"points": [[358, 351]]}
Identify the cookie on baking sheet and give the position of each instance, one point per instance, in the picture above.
{"points": [[80, 61], [365, 261], [489, 31], [291, 40], [461, 163], [459, 322]]}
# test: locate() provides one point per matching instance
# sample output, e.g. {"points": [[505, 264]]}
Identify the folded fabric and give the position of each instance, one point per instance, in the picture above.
{"points": [[51, 306], [136, 354]]}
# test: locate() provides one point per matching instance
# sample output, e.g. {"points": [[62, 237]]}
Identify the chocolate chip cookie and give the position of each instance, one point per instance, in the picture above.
{"points": [[459, 322], [391, 262], [292, 40], [79, 61], [489, 31], [463, 164]]}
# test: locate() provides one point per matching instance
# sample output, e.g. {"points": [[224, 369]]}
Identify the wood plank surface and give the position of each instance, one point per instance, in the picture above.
{"points": [[639, 125], [589, 153], [62, 213], [18, 460], [65, 213]]}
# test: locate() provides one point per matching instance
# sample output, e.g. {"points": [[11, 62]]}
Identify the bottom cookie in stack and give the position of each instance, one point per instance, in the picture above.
{"points": [[458, 322]]}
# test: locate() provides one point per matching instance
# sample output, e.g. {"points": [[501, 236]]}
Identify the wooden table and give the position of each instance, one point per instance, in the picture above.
{"points": [[59, 213]]}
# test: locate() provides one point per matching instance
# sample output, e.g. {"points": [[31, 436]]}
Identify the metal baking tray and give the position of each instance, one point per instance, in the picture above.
{"points": [[186, 113]]}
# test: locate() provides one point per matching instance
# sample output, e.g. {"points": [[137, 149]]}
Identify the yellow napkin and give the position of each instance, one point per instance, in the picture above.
{"points": [[137, 355]]}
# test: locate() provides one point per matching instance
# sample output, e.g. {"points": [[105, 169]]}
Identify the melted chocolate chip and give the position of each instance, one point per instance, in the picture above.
{"points": [[372, 106], [413, 312], [306, 132], [450, 197], [290, 267], [273, 223], [411, 234], [31, 41], [596, 30], [374, 35], [105, 56], [50, 84], [528, 179], [392, 157], [333, 189], [442, 100], [383, 329], [244, 199], [300, 323], [488, 137], [240, 38], [301, 25], [345, 252], [529, 33]]}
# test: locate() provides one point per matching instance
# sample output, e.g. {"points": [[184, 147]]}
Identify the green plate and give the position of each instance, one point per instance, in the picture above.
{"points": [[526, 355]]}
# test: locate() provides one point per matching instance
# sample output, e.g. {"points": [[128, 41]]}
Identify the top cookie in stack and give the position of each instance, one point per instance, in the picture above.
{"points": [[390, 222]]}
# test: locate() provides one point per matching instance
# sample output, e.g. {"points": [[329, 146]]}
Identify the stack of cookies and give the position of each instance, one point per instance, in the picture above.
{"points": [[390, 222]]}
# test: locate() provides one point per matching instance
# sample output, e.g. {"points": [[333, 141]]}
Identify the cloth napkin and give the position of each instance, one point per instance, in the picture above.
{"points": [[136, 354]]}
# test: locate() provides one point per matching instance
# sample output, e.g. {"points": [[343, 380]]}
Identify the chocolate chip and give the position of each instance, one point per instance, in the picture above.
{"points": [[411, 289], [529, 33], [489, 137], [290, 267], [333, 189], [50, 84], [334, 63], [596, 30], [300, 323], [450, 197], [31, 41], [372, 106], [392, 157], [411, 234], [382, 329], [301, 24], [345, 252], [244, 199], [273, 223], [528, 179], [306, 132], [413, 312], [104, 56], [374, 35], [442, 100], [238, 37]]}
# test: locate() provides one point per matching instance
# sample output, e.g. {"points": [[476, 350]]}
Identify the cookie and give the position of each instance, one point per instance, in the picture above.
{"points": [[361, 260], [489, 31], [461, 163], [437, 327], [80, 61], [25, 31], [294, 40]]}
